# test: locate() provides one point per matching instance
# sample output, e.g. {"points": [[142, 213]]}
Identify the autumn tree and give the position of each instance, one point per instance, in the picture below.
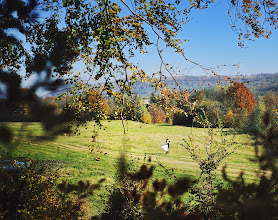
{"points": [[157, 114], [271, 101], [89, 105], [136, 110], [240, 98], [238, 103]]}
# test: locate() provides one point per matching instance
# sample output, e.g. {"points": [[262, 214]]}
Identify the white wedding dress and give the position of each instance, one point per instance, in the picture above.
{"points": [[165, 147]]}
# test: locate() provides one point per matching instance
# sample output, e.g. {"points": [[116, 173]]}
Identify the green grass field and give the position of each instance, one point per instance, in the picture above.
{"points": [[72, 152]]}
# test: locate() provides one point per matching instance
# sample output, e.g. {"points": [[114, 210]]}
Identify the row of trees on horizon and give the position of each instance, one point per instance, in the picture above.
{"points": [[233, 105]]}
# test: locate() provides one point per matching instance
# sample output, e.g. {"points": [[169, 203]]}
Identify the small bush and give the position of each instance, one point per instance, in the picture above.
{"points": [[27, 193], [181, 118], [157, 114], [146, 118]]}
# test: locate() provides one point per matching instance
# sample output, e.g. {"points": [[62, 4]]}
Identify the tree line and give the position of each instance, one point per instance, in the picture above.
{"points": [[234, 105]]}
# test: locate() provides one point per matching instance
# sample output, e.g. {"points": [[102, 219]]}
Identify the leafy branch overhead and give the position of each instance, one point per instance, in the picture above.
{"points": [[105, 34]]}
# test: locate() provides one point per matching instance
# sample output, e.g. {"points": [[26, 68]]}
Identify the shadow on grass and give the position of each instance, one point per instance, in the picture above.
{"points": [[232, 132], [157, 154]]}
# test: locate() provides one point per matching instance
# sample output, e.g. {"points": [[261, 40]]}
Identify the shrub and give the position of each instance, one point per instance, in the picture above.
{"points": [[213, 110], [182, 118], [253, 123], [137, 196], [229, 119], [146, 118], [26, 192], [271, 101], [258, 199], [209, 159], [157, 114]]}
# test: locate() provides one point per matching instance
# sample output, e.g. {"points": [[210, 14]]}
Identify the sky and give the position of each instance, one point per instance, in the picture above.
{"points": [[212, 42]]}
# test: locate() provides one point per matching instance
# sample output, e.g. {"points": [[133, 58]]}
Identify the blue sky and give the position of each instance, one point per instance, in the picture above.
{"points": [[212, 42]]}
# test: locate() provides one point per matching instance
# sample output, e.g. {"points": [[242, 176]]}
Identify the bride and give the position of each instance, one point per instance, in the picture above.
{"points": [[166, 146]]}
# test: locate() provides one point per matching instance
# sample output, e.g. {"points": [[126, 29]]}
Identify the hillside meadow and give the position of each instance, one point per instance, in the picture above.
{"points": [[77, 157]]}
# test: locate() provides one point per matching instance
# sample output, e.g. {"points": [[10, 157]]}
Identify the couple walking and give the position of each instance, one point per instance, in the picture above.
{"points": [[166, 146]]}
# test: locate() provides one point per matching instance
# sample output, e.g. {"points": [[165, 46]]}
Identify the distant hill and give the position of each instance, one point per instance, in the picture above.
{"points": [[263, 83], [259, 84], [185, 82]]}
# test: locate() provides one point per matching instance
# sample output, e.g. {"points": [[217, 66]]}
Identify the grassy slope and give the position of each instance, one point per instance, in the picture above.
{"points": [[141, 141]]}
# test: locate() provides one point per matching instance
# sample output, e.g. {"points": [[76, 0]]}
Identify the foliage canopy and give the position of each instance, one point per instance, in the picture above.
{"points": [[105, 34]]}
